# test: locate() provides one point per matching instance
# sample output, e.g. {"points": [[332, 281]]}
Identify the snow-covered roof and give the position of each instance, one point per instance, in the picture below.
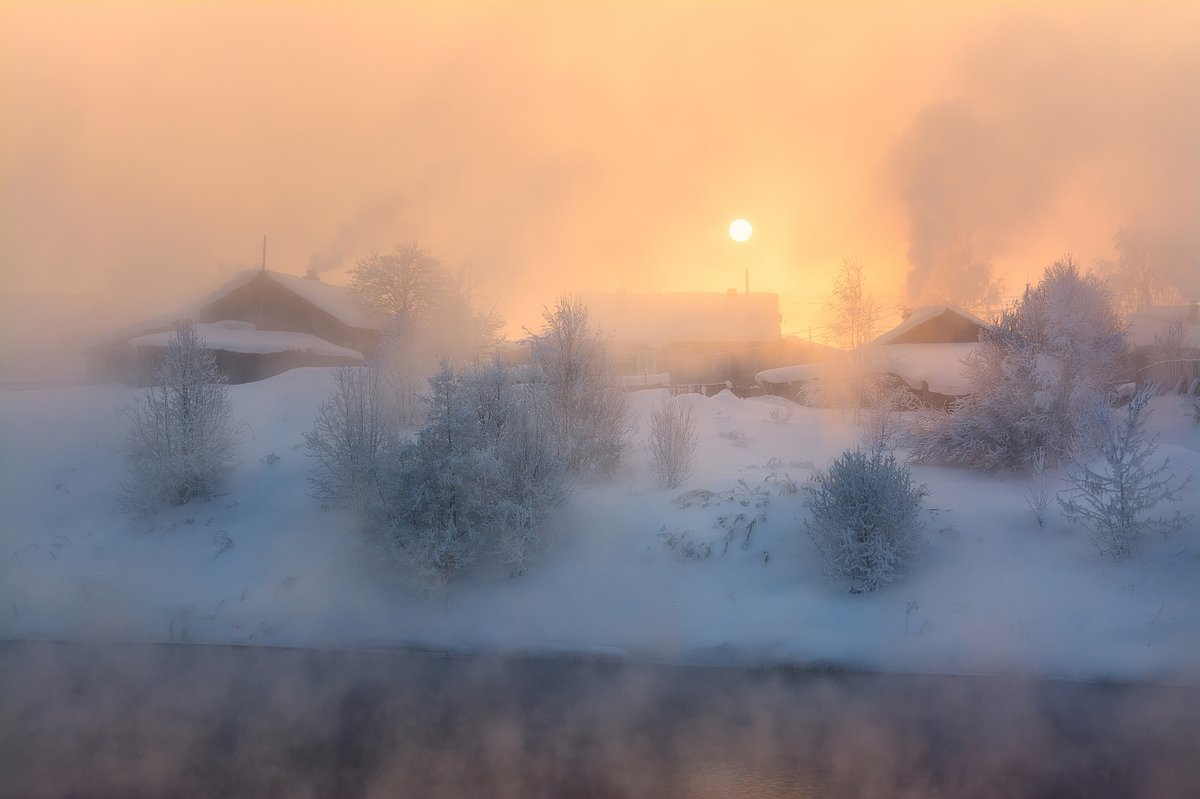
{"points": [[337, 301], [1146, 323], [234, 336], [928, 314], [789, 374], [660, 319]]}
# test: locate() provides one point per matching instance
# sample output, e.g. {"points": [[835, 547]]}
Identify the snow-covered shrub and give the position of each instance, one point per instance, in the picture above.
{"points": [[182, 439], [587, 410], [866, 518], [351, 430], [1034, 380], [476, 482], [739, 523], [673, 440], [1112, 497], [682, 543]]}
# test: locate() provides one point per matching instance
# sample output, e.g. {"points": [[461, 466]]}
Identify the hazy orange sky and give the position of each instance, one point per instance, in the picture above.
{"points": [[148, 147]]}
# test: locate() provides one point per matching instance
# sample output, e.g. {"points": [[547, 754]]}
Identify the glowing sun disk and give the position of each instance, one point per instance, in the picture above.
{"points": [[740, 230]]}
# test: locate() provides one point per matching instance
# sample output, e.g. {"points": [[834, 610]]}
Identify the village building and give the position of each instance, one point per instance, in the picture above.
{"points": [[924, 352], [694, 338], [258, 324]]}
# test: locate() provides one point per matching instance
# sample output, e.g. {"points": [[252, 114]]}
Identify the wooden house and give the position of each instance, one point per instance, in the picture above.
{"points": [[258, 324]]}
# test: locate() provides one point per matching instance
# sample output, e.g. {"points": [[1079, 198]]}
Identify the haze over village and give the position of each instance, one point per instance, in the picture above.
{"points": [[149, 149], [785, 339]]}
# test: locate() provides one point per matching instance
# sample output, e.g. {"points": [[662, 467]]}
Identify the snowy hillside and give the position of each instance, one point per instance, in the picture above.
{"points": [[263, 563]]}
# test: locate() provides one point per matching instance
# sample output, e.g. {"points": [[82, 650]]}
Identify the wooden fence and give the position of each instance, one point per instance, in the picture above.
{"points": [[1172, 377]]}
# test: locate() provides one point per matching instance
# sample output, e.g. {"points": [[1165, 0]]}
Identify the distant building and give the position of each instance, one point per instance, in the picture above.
{"points": [[258, 324], [695, 337], [1149, 323], [924, 352]]}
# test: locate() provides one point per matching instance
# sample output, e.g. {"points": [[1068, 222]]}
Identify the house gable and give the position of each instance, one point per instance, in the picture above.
{"points": [[936, 324], [268, 304]]}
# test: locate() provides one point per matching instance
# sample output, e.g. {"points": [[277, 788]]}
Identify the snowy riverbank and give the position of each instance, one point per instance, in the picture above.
{"points": [[263, 563]]}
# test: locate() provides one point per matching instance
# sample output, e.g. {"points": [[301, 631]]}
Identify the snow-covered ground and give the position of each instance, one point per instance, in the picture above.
{"points": [[264, 564]]}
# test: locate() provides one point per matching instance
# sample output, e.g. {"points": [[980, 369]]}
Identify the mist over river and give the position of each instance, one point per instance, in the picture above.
{"points": [[194, 720]]}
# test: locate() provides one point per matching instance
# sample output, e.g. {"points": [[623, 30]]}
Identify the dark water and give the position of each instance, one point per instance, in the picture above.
{"points": [[186, 720]]}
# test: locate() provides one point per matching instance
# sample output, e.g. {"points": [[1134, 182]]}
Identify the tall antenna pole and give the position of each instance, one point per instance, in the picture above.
{"points": [[264, 260]]}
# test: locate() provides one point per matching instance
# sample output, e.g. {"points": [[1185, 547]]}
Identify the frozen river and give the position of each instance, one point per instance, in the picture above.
{"points": [[192, 720]]}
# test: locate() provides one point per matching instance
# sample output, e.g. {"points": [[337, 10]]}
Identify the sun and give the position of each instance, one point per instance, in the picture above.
{"points": [[740, 230]]}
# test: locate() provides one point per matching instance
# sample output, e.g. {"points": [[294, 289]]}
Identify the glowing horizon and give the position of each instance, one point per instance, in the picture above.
{"points": [[149, 147]]}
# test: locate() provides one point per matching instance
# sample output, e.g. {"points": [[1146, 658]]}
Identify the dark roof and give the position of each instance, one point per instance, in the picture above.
{"points": [[936, 324]]}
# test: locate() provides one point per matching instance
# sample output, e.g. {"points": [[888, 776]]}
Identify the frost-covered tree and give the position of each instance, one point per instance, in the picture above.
{"points": [[866, 518], [1034, 379], [535, 480], [856, 314], [429, 316], [1142, 275], [587, 410], [672, 442], [1113, 496], [407, 283], [349, 437], [182, 440]]}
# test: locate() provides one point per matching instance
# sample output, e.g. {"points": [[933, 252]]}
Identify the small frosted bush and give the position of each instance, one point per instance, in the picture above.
{"points": [[673, 440], [182, 439], [866, 519]]}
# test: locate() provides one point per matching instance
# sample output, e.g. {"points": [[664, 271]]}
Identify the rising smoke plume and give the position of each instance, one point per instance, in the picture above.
{"points": [[1045, 118]]}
